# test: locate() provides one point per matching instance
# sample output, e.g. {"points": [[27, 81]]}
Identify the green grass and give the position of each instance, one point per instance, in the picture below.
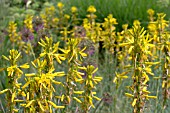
{"points": [[125, 11]]}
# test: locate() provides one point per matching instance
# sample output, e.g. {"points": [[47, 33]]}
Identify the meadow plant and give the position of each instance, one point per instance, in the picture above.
{"points": [[74, 16], [14, 74], [139, 50], [40, 91], [158, 28], [12, 31], [74, 57], [109, 34], [48, 16], [28, 22], [89, 81], [164, 51]]}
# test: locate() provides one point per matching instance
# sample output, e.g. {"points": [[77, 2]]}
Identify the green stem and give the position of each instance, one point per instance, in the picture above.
{"points": [[157, 94]]}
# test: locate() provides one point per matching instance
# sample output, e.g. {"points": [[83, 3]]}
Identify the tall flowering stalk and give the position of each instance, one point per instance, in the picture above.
{"points": [[60, 6], [40, 91], [14, 73], [92, 28], [108, 37], [28, 22], [109, 34], [139, 49], [12, 30], [74, 16], [158, 28], [87, 96], [164, 51], [48, 17], [74, 56], [165, 44]]}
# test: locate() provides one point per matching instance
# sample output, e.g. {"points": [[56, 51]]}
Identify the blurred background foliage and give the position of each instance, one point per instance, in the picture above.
{"points": [[125, 11]]}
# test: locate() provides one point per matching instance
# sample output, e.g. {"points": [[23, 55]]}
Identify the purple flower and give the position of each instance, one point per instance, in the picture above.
{"points": [[26, 34], [38, 23]]}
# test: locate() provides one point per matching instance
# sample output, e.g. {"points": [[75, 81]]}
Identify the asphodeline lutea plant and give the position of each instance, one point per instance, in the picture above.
{"points": [[161, 39], [164, 47], [28, 22], [139, 50], [109, 34], [14, 73], [93, 29], [151, 13], [12, 30], [91, 9], [49, 19], [74, 57], [87, 95], [74, 16], [108, 38], [121, 53], [39, 89], [63, 18], [119, 77], [50, 52], [39, 85]]}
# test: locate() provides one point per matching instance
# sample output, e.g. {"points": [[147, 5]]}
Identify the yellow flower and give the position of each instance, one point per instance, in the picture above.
{"points": [[12, 31], [150, 12], [136, 23], [91, 9], [125, 26], [60, 5], [67, 16], [28, 22], [152, 27], [73, 9]]}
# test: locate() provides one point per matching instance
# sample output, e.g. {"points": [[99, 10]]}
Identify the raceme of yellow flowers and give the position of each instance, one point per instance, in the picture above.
{"points": [[138, 50]]}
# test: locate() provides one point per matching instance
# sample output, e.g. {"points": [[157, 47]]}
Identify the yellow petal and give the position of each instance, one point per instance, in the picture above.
{"points": [[5, 57], [62, 98], [129, 95], [3, 91], [15, 110], [97, 98], [54, 105], [30, 74], [78, 92], [29, 103], [41, 107], [13, 96], [77, 99], [134, 102], [25, 66], [25, 85], [154, 97]]}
